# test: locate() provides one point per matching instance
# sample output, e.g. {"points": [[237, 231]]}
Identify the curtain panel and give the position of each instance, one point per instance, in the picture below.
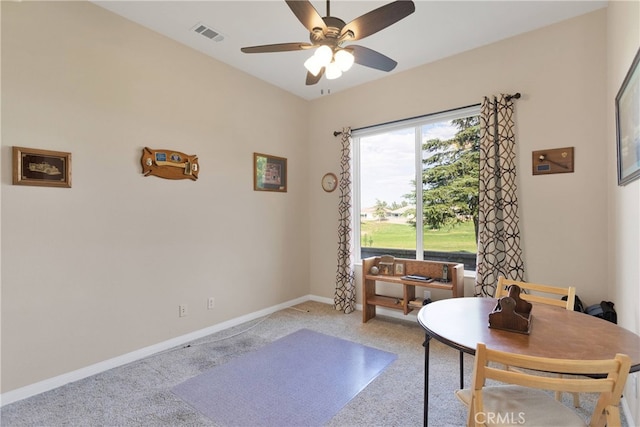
{"points": [[345, 294], [499, 250]]}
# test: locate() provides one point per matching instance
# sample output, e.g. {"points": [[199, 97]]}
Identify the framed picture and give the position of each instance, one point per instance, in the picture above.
{"points": [[43, 168], [398, 269], [385, 269], [628, 125], [269, 173]]}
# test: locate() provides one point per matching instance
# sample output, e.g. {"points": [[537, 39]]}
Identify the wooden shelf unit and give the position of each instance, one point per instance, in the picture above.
{"points": [[408, 302]]}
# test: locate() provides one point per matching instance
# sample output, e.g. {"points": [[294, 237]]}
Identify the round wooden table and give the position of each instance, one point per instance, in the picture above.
{"points": [[462, 323]]}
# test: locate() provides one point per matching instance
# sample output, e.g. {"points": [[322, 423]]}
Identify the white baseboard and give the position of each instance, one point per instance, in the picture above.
{"points": [[69, 377], [321, 299]]}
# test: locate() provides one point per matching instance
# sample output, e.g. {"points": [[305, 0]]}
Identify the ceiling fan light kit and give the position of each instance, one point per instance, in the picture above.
{"points": [[344, 59], [333, 71], [325, 57], [327, 34], [324, 54], [321, 58], [313, 65]]}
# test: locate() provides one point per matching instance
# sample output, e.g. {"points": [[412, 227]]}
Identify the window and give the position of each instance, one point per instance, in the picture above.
{"points": [[440, 153]]}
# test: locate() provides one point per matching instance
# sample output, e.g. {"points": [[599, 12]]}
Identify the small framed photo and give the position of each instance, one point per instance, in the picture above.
{"points": [[269, 173], [398, 269], [43, 168], [628, 125], [386, 269]]}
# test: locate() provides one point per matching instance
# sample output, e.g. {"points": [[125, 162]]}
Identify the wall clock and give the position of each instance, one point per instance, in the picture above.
{"points": [[329, 182]]}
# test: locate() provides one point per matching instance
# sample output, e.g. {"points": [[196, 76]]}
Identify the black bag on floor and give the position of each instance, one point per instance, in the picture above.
{"points": [[604, 310], [577, 304]]}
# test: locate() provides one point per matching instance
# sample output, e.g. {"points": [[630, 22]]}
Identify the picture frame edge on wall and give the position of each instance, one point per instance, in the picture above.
{"points": [[39, 174], [630, 88]]}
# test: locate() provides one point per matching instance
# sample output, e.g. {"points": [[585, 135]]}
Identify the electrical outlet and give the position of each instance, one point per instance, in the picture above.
{"points": [[182, 310], [427, 294], [210, 303]]}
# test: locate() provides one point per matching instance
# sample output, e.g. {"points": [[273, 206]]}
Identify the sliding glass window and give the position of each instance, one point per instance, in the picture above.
{"points": [[440, 153]]}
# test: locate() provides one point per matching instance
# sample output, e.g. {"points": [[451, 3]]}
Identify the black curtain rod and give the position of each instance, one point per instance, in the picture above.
{"points": [[336, 133], [508, 97]]}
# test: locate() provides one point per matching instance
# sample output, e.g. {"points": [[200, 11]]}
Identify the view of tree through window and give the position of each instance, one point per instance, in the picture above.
{"points": [[441, 153]]}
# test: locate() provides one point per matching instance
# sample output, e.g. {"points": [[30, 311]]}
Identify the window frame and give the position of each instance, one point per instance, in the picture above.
{"points": [[417, 123]]}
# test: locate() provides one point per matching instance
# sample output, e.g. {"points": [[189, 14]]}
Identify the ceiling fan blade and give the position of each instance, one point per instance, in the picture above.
{"points": [[279, 47], [378, 19], [307, 14], [311, 79], [370, 58]]}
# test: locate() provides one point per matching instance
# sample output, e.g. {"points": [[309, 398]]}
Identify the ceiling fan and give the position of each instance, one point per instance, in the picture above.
{"points": [[327, 35]]}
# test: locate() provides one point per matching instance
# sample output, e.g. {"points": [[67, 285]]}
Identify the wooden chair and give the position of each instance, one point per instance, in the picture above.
{"points": [[535, 293], [542, 294], [518, 397]]}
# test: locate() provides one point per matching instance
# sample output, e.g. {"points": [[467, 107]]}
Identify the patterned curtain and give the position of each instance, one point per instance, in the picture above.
{"points": [[499, 251], [345, 296]]}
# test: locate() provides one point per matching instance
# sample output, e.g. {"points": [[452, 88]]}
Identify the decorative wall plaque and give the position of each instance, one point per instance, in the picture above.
{"points": [[169, 164], [556, 160]]}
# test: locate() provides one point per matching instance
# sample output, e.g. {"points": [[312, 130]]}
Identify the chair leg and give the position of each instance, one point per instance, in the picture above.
{"points": [[576, 400], [470, 414], [612, 416], [576, 397]]}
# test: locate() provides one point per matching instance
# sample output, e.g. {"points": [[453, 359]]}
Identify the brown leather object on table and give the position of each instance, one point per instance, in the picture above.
{"points": [[504, 316], [523, 307]]}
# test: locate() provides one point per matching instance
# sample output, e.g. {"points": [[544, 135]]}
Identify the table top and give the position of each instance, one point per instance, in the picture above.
{"points": [[461, 323]]}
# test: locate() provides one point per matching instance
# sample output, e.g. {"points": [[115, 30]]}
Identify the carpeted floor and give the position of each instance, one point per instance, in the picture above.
{"points": [[139, 394]]}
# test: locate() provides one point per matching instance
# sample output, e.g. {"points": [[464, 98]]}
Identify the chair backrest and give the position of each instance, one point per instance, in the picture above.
{"points": [[534, 290], [610, 387]]}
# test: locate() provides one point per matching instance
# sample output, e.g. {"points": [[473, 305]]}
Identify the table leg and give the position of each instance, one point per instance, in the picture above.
{"points": [[461, 369], [427, 338]]}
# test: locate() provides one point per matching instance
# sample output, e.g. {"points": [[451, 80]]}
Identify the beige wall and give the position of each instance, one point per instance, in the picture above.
{"points": [[98, 270], [623, 41], [560, 72]]}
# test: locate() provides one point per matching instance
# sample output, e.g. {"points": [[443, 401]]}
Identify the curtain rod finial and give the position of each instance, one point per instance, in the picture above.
{"points": [[336, 133]]}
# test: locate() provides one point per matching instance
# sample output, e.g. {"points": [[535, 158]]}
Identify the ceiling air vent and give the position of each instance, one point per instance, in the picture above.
{"points": [[208, 32]]}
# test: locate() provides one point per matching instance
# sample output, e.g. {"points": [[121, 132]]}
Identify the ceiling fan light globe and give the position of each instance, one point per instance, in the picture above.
{"points": [[324, 55], [313, 65], [344, 59], [333, 71]]}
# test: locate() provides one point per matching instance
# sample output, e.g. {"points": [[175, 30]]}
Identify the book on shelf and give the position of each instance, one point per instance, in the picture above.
{"points": [[418, 278]]}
